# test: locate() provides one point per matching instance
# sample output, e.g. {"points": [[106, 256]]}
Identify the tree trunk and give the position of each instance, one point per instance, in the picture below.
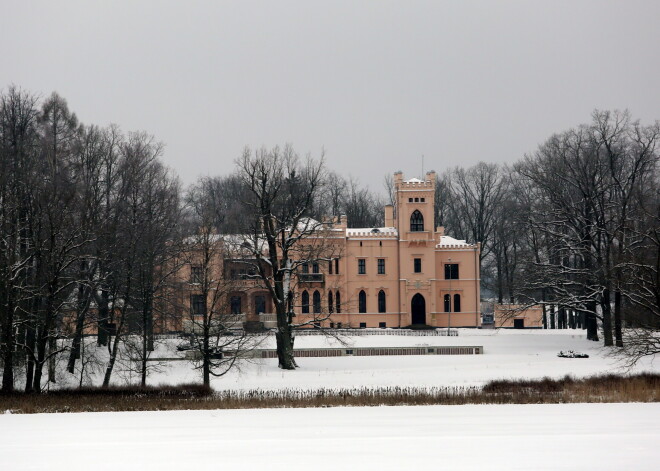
{"points": [[143, 369], [104, 314], [145, 343], [500, 283], [552, 317], [30, 336], [545, 311], [545, 316], [111, 361], [7, 345], [52, 347], [83, 307], [618, 321], [607, 318], [284, 339], [591, 322], [206, 366]]}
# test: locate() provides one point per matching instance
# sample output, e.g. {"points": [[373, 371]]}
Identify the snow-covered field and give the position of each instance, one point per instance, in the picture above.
{"points": [[507, 354], [507, 437]]}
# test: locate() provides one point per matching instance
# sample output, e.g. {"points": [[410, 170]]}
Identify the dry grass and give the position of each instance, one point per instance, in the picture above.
{"points": [[610, 388]]}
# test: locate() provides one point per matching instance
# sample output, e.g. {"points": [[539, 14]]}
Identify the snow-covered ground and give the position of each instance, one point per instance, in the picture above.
{"points": [[507, 437], [507, 354]]}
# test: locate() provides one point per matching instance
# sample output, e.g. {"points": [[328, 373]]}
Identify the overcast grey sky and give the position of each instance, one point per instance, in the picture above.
{"points": [[377, 84]]}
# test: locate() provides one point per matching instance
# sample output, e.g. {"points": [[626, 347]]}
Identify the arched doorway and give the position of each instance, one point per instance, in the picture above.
{"points": [[418, 309]]}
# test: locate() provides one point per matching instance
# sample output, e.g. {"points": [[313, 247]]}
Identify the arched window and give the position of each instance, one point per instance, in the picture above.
{"points": [[416, 222], [457, 303], [362, 302], [382, 307], [447, 303], [331, 303], [317, 302], [305, 302], [338, 303]]}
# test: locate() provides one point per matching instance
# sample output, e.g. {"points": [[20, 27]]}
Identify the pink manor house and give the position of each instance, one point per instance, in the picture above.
{"points": [[406, 273]]}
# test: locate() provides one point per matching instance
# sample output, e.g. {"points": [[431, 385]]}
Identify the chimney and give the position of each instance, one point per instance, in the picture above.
{"points": [[389, 215]]}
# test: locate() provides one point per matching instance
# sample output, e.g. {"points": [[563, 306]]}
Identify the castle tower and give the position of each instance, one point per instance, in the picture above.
{"points": [[414, 206], [417, 239]]}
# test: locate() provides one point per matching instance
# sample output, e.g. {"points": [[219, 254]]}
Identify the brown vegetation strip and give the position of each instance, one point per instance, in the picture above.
{"points": [[610, 388]]}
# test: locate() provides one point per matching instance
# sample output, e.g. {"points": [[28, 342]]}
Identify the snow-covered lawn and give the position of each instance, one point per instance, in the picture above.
{"points": [[508, 437], [507, 354]]}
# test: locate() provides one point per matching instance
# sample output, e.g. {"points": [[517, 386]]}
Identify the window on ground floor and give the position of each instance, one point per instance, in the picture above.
{"points": [[362, 302], [457, 303], [305, 302], [197, 305], [382, 307], [235, 304]]}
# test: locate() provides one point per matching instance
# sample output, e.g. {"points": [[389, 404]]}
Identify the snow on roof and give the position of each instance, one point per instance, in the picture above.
{"points": [[371, 231], [308, 224], [414, 180], [446, 241]]}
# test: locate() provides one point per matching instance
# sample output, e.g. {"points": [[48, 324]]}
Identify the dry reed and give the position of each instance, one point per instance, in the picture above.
{"points": [[608, 388]]}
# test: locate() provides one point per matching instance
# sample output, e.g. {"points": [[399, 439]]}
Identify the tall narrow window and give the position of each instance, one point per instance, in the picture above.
{"points": [[382, 306], [416, 222], [315, 267], [331, 302], [316, 298], [305, 267], [235, 303], [305, 302], [362, 266], [337, 266], [259, 304], [451, 271], [330, 267], [381, 266], [362, 302], [417, 265], [338, 302], [457, 303], [197, 305], [447, 303], [195, 274]]}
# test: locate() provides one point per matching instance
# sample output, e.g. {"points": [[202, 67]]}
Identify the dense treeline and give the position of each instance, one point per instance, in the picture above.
{"points": [[92, 228], [86, 216], [93, 225], [574, 226]]}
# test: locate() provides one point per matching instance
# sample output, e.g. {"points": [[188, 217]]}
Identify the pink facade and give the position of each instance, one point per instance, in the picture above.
{"points": [[405, 273]]}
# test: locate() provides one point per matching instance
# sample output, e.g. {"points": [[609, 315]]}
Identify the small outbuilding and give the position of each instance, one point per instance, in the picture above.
{"points": [[518, 316]]}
